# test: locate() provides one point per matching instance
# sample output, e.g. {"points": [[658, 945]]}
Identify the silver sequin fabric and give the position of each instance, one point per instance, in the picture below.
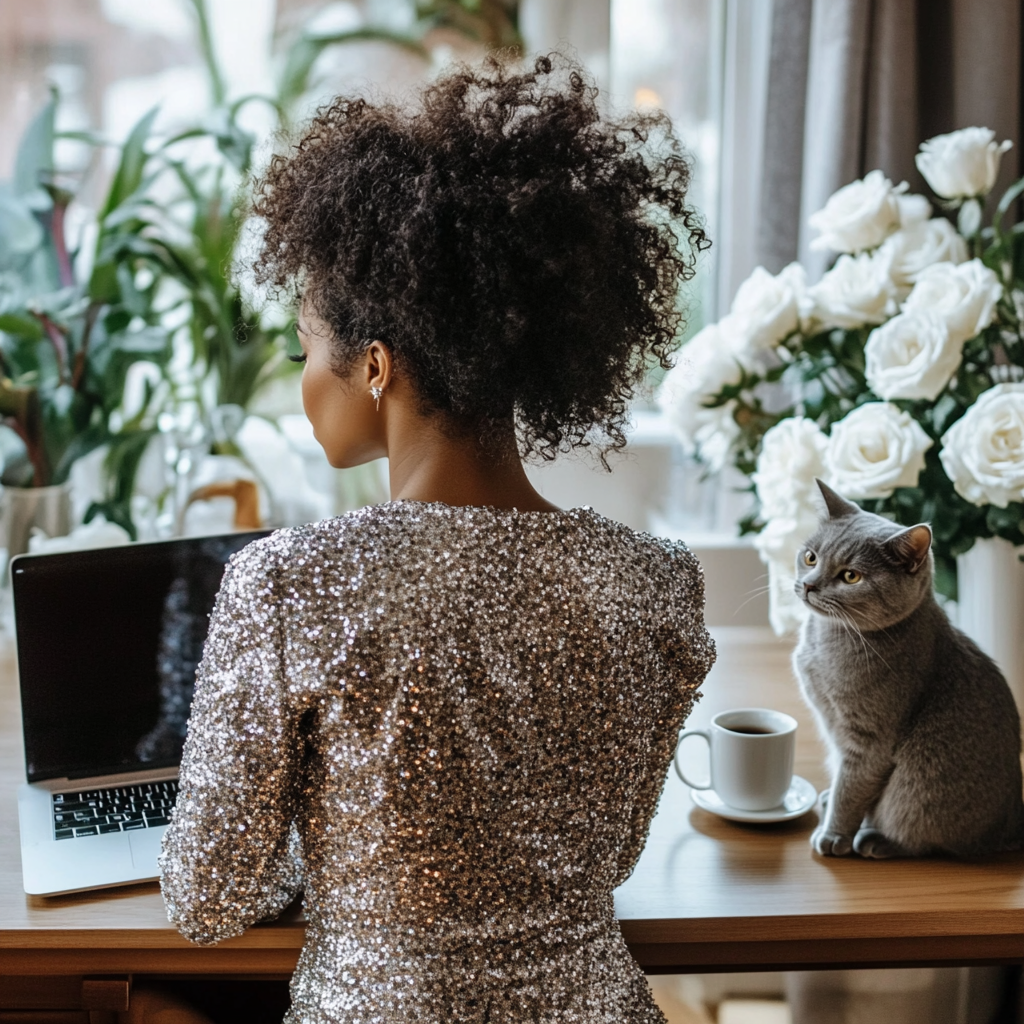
{"points": [[448, 728]]}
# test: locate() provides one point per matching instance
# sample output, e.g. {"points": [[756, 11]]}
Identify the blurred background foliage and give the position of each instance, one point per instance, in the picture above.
{"points": [[143, 327]]}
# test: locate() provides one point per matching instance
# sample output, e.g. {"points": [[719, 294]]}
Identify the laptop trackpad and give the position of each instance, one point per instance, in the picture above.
{"points": [[75, 864], [145, 844]]}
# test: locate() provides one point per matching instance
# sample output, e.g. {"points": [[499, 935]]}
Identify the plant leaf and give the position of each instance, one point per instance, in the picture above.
{"points": [[20, 230], [128, 176], [35, 154], [148, 341], [21, 326], [1009, 197], [303, 54]]}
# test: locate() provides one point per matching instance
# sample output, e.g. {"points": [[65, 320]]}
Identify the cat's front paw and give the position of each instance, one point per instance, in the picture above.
{"points": [[831, 844], [870, 843]]}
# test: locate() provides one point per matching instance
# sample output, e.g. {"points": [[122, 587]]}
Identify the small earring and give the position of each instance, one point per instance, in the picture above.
{"points": [[375, 393]]}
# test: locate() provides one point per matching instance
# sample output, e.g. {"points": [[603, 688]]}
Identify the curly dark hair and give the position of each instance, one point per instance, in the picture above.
{"points": [[519, 254]]}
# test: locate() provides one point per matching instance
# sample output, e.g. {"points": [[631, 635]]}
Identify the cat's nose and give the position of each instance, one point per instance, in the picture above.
{"points": [[808, 587]]}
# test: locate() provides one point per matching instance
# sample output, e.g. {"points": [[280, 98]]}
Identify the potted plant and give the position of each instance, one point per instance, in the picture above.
{"points": [[71, 325]]}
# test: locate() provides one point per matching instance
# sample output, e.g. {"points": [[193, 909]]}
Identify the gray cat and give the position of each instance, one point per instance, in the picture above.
{"points": [[923, 732]]}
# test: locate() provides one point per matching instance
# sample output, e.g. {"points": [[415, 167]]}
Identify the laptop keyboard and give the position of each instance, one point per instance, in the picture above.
{"points": [[121, 809]]}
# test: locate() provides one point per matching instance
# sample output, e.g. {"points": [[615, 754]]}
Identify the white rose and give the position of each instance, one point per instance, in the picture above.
{"points": [[920, 245], [983, 452], [911, 356], [962, 164], [965, 296], [792, 455], [778, 544], [874, 450], [715, 435], [769, 306], [856, 291], [706, 364], [914, 209], [786, 612], [859, 216]]}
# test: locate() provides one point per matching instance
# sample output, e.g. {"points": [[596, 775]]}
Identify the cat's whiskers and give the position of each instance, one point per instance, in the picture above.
{"points": [[755, 593], [835, 611], [875, 624], [851, 628], [865, 642]]}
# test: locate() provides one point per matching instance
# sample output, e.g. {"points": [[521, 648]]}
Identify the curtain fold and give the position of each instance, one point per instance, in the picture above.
{"points": [[836, 101], [859, 84], [890, 132], [986, 46], [785, 109]]}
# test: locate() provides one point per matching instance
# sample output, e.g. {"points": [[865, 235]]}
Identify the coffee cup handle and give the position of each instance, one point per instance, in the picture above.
{"points": [[675, 758]]}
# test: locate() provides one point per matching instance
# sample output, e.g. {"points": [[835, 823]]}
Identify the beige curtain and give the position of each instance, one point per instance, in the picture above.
{"points": [[858, 84]]}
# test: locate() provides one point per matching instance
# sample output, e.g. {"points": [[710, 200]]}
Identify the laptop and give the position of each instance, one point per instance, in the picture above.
{"points": [[108, 643]]}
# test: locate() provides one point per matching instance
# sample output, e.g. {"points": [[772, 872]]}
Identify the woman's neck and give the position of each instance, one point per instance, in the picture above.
{"points": [[425, 464]]}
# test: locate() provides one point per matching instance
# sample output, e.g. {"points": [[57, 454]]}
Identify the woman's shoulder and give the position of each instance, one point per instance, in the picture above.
{"points": [[294, 547], [666, 577], [649, 547], [396, 531]]}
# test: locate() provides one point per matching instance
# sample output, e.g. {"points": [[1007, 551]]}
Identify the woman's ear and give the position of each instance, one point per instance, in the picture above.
{"points": [[379, 365]]}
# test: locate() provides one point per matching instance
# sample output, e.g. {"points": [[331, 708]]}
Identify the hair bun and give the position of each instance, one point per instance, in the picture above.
{"points": [[520, 254]]}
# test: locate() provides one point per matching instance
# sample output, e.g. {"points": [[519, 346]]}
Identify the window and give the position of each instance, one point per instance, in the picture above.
{"points": [[113, 60]]}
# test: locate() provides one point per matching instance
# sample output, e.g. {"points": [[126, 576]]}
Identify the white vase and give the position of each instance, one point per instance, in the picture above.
{"points": [[990, 606], [24, 509]]}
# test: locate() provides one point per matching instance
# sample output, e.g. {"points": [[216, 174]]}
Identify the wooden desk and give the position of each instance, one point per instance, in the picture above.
{"points": [[710, 895], [707, 895]]}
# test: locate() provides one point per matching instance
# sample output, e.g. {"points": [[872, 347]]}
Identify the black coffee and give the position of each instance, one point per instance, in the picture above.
{"points": [[750, 730]]}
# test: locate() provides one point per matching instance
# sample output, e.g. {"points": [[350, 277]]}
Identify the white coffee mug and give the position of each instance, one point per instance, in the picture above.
{"points": [[751, 757]]}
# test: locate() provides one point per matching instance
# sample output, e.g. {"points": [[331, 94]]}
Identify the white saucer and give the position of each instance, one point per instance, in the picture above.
{"points": [[801, 797]]}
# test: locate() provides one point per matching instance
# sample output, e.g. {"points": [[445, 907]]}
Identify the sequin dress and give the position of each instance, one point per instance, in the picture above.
{"points": [[448, 728]]}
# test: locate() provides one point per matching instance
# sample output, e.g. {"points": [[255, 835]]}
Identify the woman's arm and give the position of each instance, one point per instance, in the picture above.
{"points": [[681, 655], [230, 856], [653, 771]]}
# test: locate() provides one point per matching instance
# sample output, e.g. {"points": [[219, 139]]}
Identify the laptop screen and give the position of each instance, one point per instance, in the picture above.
{"points": [[108, 644]]}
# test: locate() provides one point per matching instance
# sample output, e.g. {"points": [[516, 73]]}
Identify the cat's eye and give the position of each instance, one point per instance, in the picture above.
{"points": [[851, 576], [810, 558]]}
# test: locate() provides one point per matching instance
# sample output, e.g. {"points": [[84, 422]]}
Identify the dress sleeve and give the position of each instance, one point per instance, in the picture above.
{"points": [[231, 854], [682, 653]]}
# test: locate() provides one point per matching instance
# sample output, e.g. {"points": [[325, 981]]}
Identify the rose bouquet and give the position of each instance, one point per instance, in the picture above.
{"points": [[898, 377]]}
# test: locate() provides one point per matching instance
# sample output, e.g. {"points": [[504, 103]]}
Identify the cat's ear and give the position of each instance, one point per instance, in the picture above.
{"points": [[837, 505], [911, 546]]}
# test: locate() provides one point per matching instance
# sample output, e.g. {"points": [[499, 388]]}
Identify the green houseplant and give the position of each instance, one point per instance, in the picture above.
{"points": [[158, 275], [71, 323]]}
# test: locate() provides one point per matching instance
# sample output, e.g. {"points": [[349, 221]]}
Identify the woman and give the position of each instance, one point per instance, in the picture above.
{"points": [[447, 719]]}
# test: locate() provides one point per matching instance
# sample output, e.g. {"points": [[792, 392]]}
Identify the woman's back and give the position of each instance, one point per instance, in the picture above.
{"points": [[448, 721], [468, 714]]}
